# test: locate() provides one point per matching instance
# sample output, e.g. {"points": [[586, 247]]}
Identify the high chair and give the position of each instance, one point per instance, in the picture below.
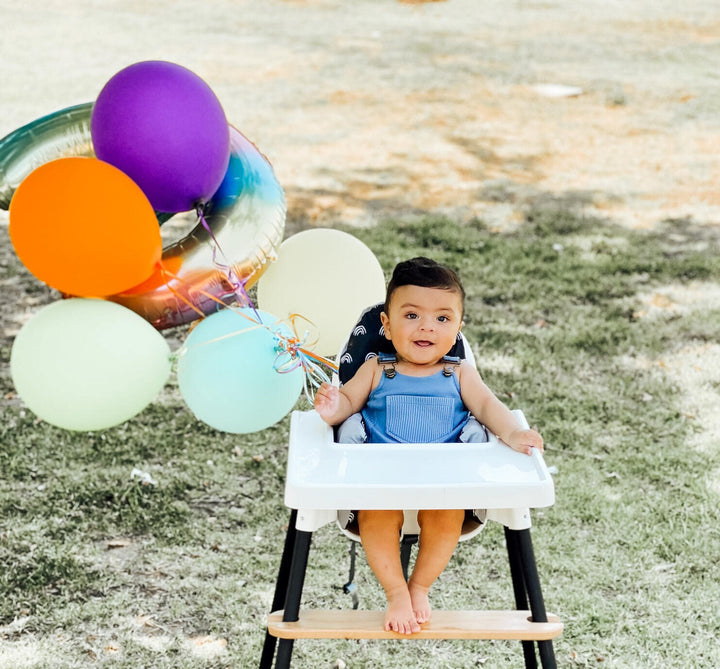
{"points": [[324, 476]]}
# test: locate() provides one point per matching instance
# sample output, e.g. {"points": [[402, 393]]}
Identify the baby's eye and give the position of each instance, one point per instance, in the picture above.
{"points": [[443, 319], [411, 315]]}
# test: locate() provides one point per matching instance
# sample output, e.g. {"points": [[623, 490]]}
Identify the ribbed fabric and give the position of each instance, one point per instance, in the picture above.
{"points": [[415, 409]]}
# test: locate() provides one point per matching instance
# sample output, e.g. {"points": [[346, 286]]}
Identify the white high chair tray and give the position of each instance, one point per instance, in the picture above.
{"points": [[322, 474]]}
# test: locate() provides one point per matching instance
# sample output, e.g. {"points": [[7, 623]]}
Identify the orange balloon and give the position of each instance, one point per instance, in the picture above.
{"points": [[84, 227]]}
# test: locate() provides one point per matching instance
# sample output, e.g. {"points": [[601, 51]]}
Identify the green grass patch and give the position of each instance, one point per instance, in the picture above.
{"points": [[110, 569]]}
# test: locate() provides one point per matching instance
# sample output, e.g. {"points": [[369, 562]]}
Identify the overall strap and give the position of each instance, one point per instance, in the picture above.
{"points": [[451, 361], [389, 360]]}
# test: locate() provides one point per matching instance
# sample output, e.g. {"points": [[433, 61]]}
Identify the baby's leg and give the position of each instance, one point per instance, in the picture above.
{"points": [[439, 534], [380, 534]]}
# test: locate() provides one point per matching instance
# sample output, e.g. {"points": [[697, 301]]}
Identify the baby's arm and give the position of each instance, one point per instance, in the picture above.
{"points": [[489, 410], [337, 404]]}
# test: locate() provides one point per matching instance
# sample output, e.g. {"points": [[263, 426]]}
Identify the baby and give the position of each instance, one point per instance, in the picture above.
{"points": [[418, 396]]}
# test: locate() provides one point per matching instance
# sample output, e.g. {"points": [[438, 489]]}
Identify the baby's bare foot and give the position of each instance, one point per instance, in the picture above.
{"points": [[399, 616], [420, 602]]}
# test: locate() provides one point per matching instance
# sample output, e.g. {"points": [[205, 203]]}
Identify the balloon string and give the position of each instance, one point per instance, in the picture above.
{"points": [[235, 282], [168, 276]]}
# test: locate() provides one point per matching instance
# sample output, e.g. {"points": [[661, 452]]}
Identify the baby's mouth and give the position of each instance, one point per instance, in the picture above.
{"points": [[423, 343]]}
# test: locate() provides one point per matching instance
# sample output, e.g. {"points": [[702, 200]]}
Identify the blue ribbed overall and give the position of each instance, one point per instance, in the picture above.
{"points": [[415, 409]]}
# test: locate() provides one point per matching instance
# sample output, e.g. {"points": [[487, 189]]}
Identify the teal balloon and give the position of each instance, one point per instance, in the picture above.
{"points": [[227, 371], [87, 364]]}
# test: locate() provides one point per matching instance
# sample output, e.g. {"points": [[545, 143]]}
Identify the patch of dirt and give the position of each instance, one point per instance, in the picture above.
{"points": [[421, 106], [693, 367]]}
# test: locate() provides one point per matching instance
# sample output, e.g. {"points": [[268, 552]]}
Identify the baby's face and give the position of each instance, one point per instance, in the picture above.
{"points": [[423, 323]]}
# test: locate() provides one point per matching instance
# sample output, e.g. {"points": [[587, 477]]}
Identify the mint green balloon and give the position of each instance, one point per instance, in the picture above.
{"points": [[88, 364], [227, 371]]}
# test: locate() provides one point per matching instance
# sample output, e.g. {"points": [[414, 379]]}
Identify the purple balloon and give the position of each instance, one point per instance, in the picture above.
{"points": [[162, 125]]}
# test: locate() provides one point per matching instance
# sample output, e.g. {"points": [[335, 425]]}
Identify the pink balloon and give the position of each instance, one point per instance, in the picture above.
{"points": [[163, 126]]}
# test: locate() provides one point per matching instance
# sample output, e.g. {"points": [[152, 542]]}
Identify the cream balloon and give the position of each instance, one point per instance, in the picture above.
{"points": [[88, 364], [325, 276]]}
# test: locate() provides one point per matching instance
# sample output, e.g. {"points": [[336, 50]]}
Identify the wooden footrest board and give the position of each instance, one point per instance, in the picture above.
{"points": [[353, 624]]}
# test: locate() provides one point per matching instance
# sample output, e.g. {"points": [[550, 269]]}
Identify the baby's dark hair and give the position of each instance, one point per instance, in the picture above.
{"points": [[425, 273]]}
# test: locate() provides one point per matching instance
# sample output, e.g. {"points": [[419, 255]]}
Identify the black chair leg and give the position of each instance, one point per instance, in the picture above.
{"points": [[534, 593], [281, 585], [294, 592], [519, 591]]}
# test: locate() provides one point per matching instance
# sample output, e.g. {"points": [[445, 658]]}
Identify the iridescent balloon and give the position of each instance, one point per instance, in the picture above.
{"points": [[246, 215]]}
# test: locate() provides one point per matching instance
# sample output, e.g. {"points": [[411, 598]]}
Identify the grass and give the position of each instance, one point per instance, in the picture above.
{"points": [[101, 569]]}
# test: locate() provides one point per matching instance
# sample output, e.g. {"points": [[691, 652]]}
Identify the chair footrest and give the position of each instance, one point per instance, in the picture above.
{"points": [[354, 624]]}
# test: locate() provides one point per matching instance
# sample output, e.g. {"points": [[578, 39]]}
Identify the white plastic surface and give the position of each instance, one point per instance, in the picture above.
{"points": [[324, 475]]}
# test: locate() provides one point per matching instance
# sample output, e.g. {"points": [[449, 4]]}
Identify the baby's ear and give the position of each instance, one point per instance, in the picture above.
{"points": [[385, 324]]}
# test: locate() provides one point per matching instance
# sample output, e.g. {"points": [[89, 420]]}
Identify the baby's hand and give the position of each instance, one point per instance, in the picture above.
{"points": [[525, 440], [327, 401]]}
